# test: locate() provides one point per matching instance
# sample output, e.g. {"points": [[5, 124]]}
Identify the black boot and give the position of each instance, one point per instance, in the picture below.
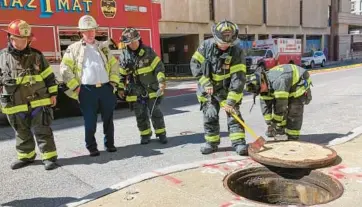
{"points": [[240, 147], [111, 149], [20, 164], [163, 139], [293, 138], [280, 130], [94, 153], [209, 148], [49, 164], [270, 132], [145, 139]]}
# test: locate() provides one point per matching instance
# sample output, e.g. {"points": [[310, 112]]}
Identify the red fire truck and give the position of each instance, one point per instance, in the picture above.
{"points": [[266, 54], [54, 23]]}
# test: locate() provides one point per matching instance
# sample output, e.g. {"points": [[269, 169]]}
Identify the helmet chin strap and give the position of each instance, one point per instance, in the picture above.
{"points": [[254, 97]]}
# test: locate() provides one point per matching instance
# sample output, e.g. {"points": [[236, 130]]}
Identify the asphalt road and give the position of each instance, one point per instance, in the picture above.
{"points": [[334, 112]]}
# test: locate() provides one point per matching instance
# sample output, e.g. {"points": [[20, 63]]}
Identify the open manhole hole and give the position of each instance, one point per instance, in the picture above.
{"points": [[278, 186]]}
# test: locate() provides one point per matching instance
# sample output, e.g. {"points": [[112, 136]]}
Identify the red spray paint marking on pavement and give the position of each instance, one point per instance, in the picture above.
{"points": [[215, 166], [169, 178], [227, 154], [339, 174], [230, 203], [76, 153], [226, 204]]}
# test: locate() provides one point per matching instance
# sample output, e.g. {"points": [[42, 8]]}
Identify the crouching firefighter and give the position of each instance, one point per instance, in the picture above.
{"points": [[284, 90], [221, 69], [27, 92], [146, 84]]}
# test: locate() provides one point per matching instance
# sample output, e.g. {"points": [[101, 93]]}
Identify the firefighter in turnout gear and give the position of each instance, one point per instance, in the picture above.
{"points": [[284, 90], [27, 92], [91, 74], [143, 73], [221, 69]]}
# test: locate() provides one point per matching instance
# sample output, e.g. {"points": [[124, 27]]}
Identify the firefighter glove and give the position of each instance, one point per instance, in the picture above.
{"points": [[307, 97], [229, 109], [210, 111]]}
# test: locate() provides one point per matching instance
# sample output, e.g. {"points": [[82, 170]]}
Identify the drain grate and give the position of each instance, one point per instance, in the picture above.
{"points": [[280, 186]]}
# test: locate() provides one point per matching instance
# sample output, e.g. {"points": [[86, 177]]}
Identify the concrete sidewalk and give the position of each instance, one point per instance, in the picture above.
{"points": [[201, 183]]}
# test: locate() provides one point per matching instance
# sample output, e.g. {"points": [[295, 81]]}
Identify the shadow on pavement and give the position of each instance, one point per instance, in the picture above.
{"points": [[322, 138], [135, 150], [40, 202], [168, 107]]}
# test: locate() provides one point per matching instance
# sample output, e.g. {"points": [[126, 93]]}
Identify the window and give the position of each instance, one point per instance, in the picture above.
{"points": [[264, 11], [211, 10], [329, 16], [269, 54], [301, 12], [353, 6]]}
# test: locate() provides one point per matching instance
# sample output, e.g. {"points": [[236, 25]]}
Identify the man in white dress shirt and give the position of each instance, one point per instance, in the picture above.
{"points": [[91, 74]]}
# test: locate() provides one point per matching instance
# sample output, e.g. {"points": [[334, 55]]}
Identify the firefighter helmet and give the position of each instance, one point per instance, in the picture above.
{"points": [[225, 32], [19, 28], [87, 22], [253, 83], [129, 35]]}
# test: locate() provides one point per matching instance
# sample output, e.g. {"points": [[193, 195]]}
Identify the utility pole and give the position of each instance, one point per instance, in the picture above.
{"points": [[333, 40]]}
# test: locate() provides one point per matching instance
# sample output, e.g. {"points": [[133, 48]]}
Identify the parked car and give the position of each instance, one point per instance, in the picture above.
{"points": [[313, 58]]}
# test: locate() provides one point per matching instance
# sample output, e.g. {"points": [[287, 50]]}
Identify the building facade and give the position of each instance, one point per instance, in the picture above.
{"points": [[184, 24], [327, 25]]}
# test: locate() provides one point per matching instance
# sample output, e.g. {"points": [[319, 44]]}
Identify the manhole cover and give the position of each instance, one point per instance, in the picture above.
{"points": [[280, 186], [294, 154]]}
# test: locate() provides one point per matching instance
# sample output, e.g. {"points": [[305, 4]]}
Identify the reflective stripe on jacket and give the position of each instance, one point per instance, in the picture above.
{"points": [[34, 81], [145, 71], [72, 65], [227, 72]]}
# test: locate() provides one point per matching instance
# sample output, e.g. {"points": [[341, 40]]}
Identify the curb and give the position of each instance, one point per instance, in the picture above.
{"points": [[150, 175], [346, 67], [353, 134], [182, 167]]}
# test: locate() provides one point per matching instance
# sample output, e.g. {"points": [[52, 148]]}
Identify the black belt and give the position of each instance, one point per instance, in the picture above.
{"points": [[96, 85]]}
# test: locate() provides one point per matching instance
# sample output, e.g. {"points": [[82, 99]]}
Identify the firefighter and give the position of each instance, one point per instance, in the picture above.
{"points": [[28, 90], [91, 74], [221, 68], [143, 70], [284, 90]]}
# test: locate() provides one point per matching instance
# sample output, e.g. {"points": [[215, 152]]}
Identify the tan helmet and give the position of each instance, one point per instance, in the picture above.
{"points": [[87, 22]]}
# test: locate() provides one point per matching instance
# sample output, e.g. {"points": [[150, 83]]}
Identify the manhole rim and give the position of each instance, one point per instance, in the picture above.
{"points": [[226, 177], [305, 164]]}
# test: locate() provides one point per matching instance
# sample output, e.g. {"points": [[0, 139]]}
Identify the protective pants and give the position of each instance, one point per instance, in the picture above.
{"points": [[267, 111], [143, 112], [91, 99], [294, 117], [212, 126], [39, 119]]}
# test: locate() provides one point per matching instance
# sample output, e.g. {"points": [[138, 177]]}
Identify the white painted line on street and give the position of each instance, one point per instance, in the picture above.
{"points": [[354, 133]]}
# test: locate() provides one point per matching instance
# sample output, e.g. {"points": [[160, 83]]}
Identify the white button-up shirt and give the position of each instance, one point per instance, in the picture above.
{"points": [[94, 71]]}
